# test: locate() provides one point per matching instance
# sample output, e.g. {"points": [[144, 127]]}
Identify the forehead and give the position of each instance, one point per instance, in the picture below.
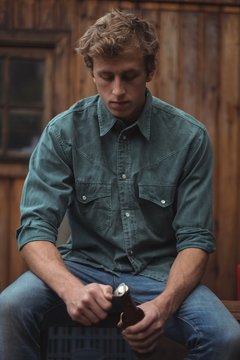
{"points": [[132, 60]]}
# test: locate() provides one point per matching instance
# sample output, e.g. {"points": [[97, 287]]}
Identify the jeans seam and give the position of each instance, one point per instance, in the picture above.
{"points": [[197, 331], [48, 310]]}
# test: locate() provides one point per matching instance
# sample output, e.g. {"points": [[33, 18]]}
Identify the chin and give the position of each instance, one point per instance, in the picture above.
{"points": [[120, 115]]}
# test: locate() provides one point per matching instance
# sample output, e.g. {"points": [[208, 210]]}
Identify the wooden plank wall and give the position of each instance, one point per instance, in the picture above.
{"points": [[11, 264], [199, 71]]}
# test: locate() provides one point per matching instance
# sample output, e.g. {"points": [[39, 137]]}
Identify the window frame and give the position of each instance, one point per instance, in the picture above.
{"points": [[32, 53], [58, 49]]}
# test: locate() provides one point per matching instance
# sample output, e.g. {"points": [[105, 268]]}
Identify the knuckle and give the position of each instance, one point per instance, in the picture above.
{"points": [[141, 336], [91, 290], [85, 300], [74, 315], [103, 316], [95, 320]]}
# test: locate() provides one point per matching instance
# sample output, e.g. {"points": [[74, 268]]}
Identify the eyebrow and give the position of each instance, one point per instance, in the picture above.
{"points": [[129, 71]]}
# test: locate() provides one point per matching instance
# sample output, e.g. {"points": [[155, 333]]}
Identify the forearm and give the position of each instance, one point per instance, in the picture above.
{"points": [[45, 261], [186, 272], [87, 304]]}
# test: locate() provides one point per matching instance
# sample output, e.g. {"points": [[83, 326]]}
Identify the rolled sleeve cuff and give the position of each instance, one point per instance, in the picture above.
{"points": [[31, 232], [196, 238]]}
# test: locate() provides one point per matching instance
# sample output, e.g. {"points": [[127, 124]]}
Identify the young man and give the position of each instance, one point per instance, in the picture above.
{"points": [[134, 175]]}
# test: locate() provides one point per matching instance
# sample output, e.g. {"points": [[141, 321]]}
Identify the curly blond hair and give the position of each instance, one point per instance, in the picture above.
{"points": [[116, 33]]}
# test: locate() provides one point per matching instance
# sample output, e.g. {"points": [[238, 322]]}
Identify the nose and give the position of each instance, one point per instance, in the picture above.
{"points": [[118, 87]]}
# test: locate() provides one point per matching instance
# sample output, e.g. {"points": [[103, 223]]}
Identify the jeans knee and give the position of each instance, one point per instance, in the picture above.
{"points": [[19, 331], [233, 342], [9, 308], [227, 343]]}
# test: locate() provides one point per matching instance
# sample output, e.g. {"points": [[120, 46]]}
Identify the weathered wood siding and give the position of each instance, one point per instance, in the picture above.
{"points": [[199, 71]]}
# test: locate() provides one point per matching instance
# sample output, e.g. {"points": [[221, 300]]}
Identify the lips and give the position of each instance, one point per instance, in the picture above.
{"points": [[118, 105]]}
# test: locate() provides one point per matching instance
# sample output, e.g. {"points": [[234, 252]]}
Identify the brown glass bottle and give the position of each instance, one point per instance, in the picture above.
{"points": [[131, 314]]}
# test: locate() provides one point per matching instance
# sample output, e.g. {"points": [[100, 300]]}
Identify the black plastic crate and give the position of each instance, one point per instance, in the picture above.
{"points": [[87, 343]]}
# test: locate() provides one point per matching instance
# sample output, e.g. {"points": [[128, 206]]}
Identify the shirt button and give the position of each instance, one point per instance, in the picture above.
{"points": [[124, 137], [127, 214], [124, 176], [163, 202], [84, 197], [130, 252]]}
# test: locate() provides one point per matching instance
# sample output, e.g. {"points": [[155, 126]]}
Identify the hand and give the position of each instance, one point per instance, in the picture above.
{"points": [[89, 304], [144, 336]]}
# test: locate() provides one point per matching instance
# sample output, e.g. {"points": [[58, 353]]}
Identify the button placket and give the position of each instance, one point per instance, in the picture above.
{"points": [[126, 199]]}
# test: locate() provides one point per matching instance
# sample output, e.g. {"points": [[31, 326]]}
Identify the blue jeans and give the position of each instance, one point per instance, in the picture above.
{"points": [[202, 323]]}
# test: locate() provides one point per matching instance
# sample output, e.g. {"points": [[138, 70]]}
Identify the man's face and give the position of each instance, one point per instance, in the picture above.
{"points": [[121, 84]]}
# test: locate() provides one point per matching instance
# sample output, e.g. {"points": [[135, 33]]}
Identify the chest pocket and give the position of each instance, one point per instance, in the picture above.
{"points": [[159, 195], [94, 204], [156, 203]]}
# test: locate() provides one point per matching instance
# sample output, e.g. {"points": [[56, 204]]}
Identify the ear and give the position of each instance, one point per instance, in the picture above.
{"points": [[150, 76], [93, 76]]}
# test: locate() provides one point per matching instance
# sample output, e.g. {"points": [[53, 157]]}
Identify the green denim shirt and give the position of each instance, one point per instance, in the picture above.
{"points": [[135, 196]]}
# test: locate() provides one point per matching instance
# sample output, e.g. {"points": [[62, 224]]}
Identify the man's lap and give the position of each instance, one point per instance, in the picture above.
{"points": [[201, 312]]}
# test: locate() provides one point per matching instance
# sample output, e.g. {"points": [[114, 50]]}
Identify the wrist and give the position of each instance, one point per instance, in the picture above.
{"points": [[68, 285], [166, 303]]}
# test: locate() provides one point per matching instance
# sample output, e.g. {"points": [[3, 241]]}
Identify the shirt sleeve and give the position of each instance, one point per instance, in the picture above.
{"points": [[47, 191], [193, 223]]}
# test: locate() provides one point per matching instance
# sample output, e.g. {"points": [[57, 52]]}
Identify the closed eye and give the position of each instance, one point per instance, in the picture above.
{"points": [[106, 76], [125, 76], [129, 77]]}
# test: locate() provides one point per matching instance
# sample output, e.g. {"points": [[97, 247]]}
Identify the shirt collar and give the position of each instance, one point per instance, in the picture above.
{"points": [[144, 120], [107, 120]]}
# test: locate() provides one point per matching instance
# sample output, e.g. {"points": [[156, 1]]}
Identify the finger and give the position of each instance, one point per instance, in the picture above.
{"points": [[147, 323], [87, 310], [88, 315], [144, 343], [142, 326], [95, 298], [104, 298], [107, 291], [94, 308], [142, 336], [80, 317], [95, 315], [147, 350]]}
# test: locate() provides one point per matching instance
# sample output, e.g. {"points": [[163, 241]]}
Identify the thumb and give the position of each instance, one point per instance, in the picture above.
{"points": [[107, 291]]}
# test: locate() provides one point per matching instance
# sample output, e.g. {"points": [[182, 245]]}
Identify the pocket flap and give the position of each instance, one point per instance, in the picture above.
{"points": [[160, 195], [87, 192]]}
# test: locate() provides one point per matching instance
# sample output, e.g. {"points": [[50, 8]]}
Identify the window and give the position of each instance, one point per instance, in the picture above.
{"points": [[25, 83]]}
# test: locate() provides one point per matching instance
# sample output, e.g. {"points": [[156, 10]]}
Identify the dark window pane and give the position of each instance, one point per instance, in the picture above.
{"points": [[1, 81], [26, 81], [24, 131]]}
